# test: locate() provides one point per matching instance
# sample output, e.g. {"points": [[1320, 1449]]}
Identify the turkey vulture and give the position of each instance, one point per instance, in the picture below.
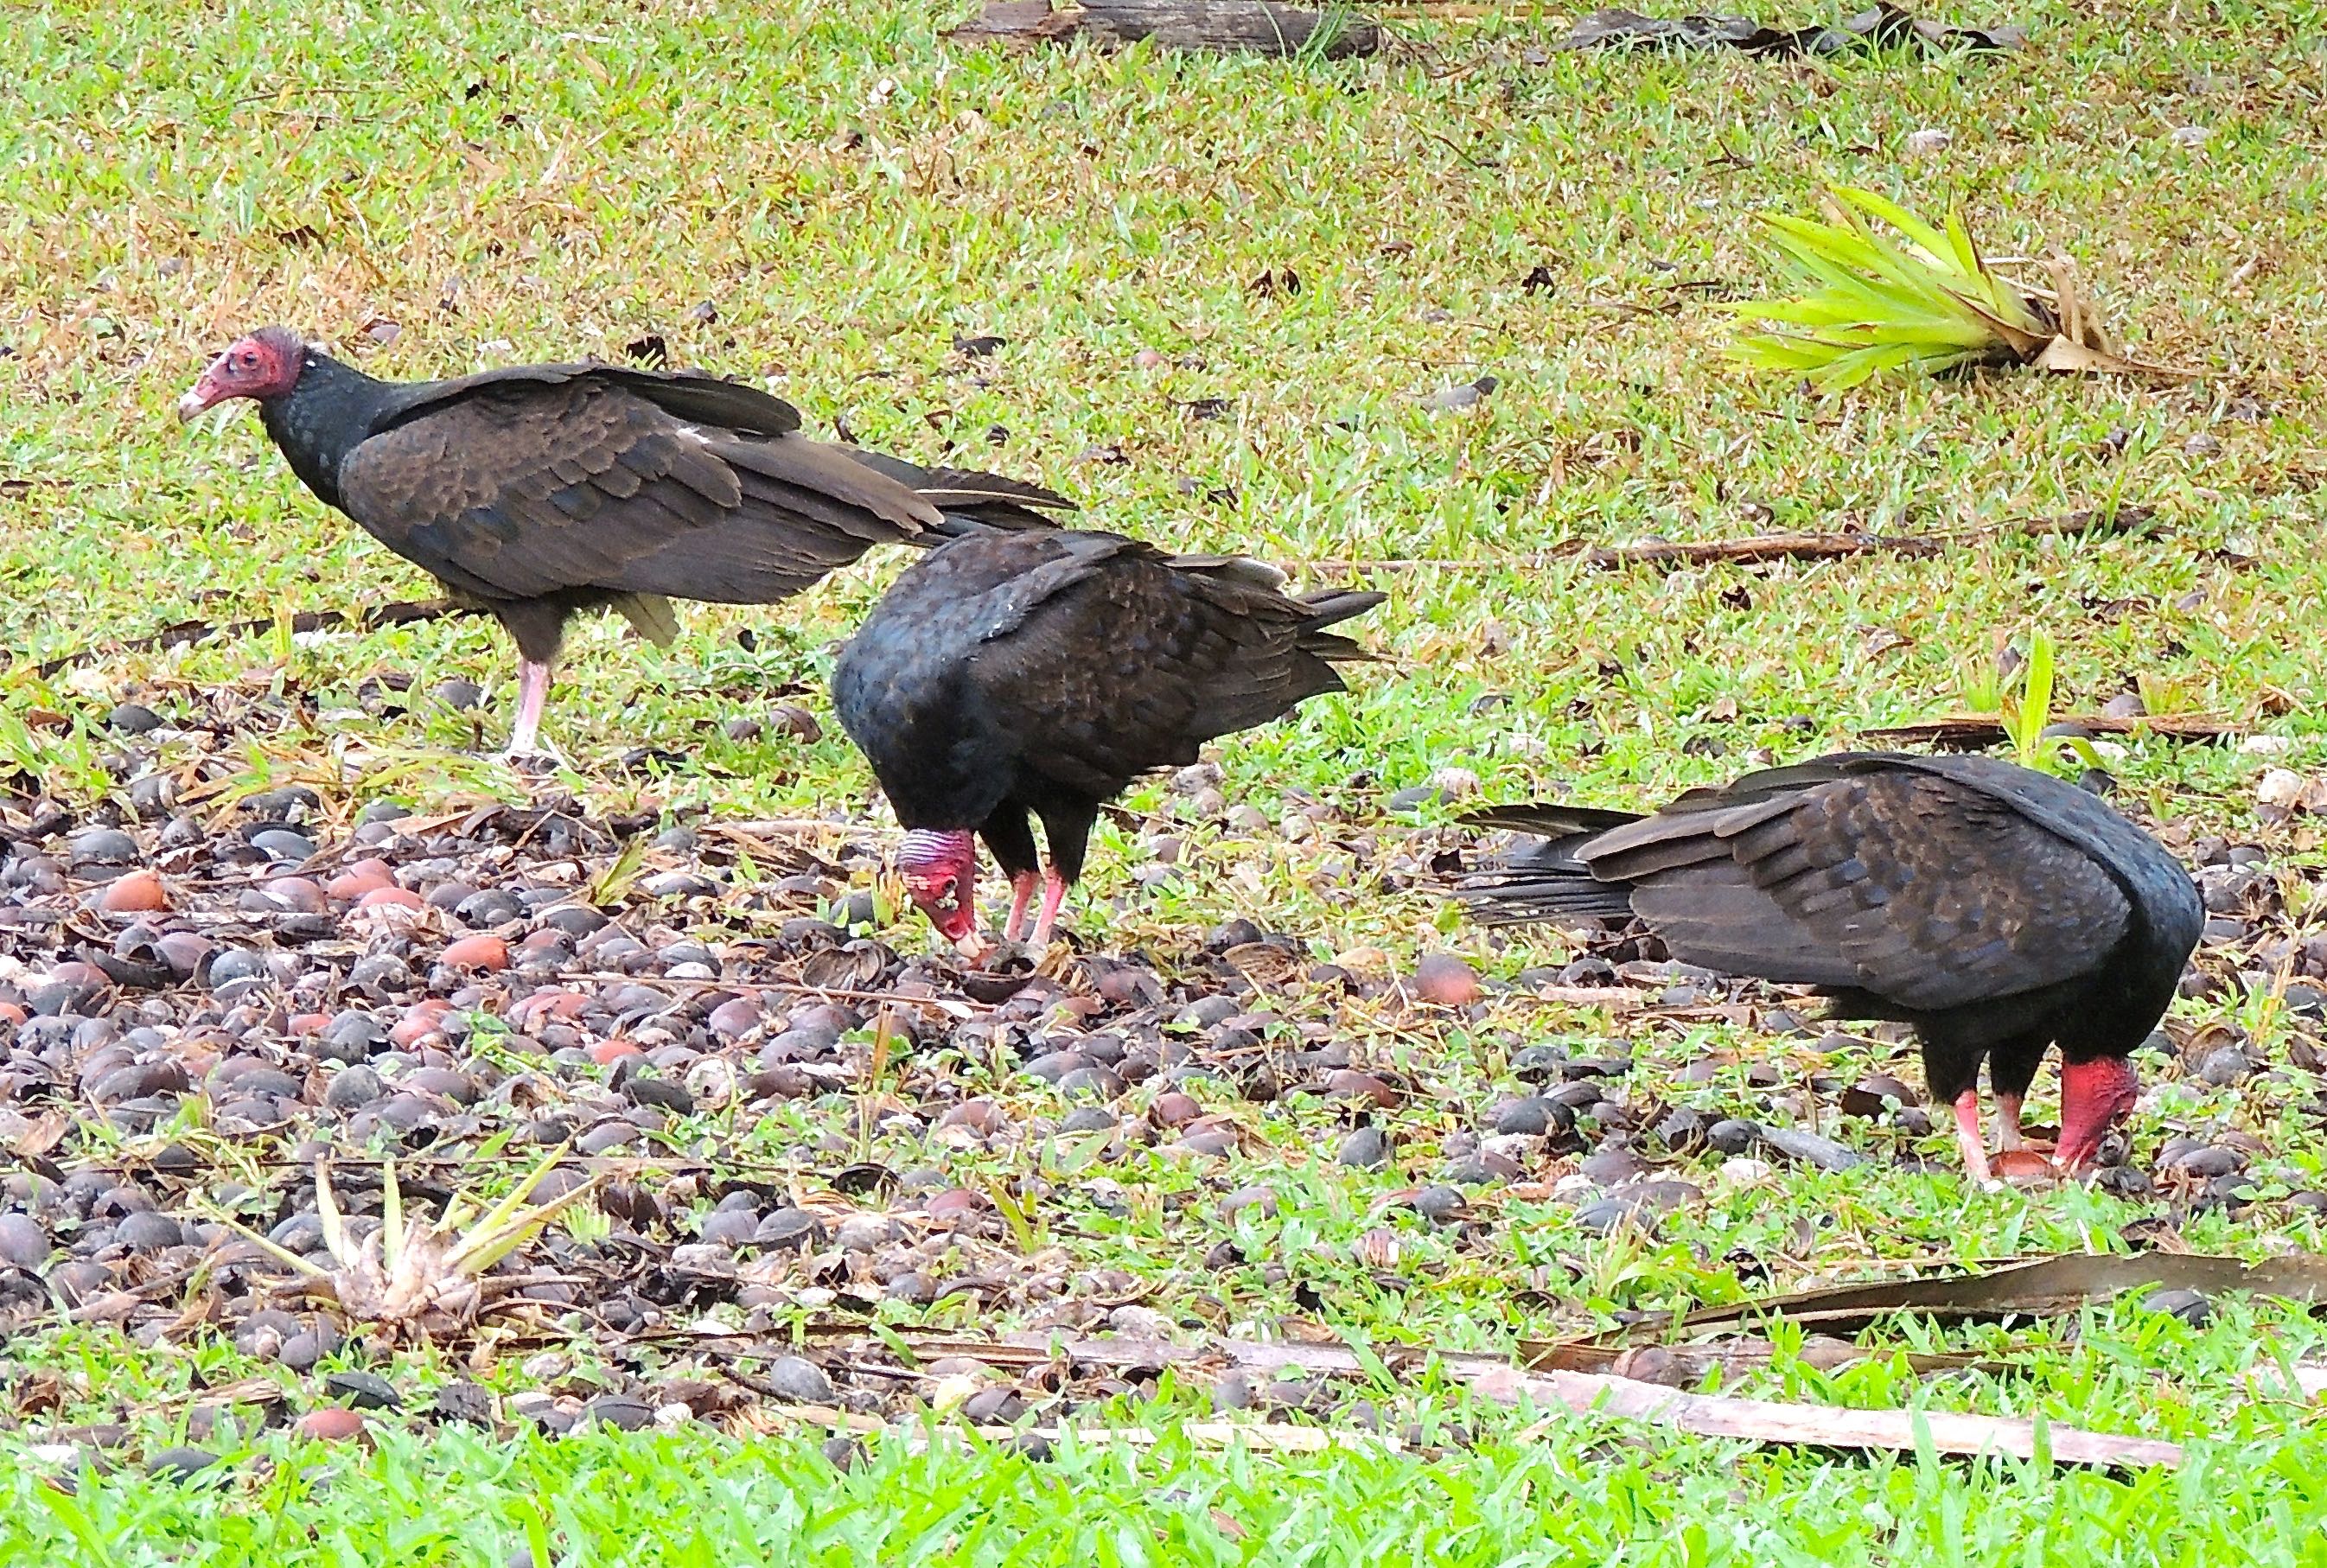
{"points": [[1014, 672], [1997, 909], [540, 490]]}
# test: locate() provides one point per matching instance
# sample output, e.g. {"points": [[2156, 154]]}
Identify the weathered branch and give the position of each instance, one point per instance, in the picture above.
{"points": [[1600, 1396], [1760, 549], [1970, 731], [401, 612], [1220, 27]]}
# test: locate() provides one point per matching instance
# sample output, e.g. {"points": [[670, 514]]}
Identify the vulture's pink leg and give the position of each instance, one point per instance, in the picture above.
{"points": [[1022, 893], [2007, 1109], [532, 697], [1054, 893], [1975, 1148]]}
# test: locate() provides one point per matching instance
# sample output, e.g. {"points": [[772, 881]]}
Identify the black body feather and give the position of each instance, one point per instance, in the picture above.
{"points": [[1010, 674], [1995, 909]]}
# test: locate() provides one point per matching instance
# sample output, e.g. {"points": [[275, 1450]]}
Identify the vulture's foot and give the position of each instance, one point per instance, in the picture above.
{"points": [[538, 761]]}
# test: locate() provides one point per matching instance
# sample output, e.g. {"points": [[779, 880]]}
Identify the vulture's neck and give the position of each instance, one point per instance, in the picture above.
{"points": [[327, 413]]}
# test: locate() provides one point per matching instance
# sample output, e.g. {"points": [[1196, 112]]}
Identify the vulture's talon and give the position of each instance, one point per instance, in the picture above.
{"points": [[539, 762]]}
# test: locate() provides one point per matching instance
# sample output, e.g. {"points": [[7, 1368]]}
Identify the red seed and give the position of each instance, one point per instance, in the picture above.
{"points": [[296, 892], [730, 1019], [980, 1116], [391, 898], [532, 1011], [309, 1023], [332, 1423], [482, 951], [1351, 1084], [607, 1052], [362, 877], [2022, 1167], [952, 1204], [183, 950], [1446, 980], [136, 892], [1174, 1109], [420, 1023]]}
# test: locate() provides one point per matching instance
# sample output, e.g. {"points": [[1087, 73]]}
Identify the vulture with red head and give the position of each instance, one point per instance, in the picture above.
{"points": [[541, 490], [1009, 675], [1998, 911]]}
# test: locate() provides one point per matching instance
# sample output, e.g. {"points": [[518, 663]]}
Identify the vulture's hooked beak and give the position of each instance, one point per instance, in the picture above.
{"points": [[210, 388], [200, 398]]}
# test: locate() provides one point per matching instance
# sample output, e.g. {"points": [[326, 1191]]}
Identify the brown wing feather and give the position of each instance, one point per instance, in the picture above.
{"points": [[1929, 893], [694, 397], [525, 487]]}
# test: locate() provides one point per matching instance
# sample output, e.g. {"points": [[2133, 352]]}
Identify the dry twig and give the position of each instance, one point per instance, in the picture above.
{"points": [[1762, 548]]}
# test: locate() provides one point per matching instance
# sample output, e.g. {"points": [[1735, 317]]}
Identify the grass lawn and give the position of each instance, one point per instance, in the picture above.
{"points": [[1541, 1498], [826, 199]]}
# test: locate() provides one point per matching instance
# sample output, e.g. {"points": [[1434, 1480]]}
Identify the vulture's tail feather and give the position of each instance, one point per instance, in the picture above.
{"points": [[968, 498], [1545, 880], [1550, 819], [1332, 606], [650, 616], [1511, 898]]}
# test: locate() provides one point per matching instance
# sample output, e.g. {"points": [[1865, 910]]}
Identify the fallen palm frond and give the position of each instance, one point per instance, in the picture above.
{"points": [[1691, 1366], [1760, 549], [184, 633], [1924, 302], [425, 1279], [1602, 1397], [1880, 26], [2044, 1287], [1334, 32], [1969, 732], [1966, 1435]]}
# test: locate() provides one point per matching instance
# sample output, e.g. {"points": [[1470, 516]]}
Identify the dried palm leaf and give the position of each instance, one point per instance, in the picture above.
{"points": [[426, 1280]]}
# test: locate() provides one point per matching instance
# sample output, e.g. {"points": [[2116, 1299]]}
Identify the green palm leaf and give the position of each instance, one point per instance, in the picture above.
{"points": [[1903, 296]]}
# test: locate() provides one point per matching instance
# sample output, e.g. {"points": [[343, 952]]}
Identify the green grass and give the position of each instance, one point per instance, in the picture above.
{"points": [[1522, 1490], [152, 139], [850, 194], [1560, 1496]]}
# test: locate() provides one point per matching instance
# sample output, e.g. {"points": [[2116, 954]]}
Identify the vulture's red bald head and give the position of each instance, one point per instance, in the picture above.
{"points": [[263, 365], [2095, 1097], [940, 872]]}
